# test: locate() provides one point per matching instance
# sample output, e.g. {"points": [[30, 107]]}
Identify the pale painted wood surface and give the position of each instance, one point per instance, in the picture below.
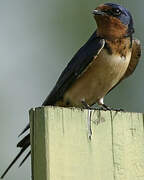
{"points": [[61, 149]]}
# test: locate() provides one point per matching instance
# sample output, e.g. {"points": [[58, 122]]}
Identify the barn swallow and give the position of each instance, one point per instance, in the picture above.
{"points": [[109, 56]]}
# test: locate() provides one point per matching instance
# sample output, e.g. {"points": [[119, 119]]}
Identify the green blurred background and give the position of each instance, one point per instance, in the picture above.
{"points": [[37, 40]]}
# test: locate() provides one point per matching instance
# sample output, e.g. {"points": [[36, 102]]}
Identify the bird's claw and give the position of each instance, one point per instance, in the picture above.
{"points": [[107, 108]]}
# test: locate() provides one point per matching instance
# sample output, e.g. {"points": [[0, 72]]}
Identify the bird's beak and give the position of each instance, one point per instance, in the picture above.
{"points": [[98, 12]]}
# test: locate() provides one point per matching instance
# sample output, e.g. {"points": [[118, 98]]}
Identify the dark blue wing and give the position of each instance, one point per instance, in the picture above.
{"points": [[74, 68]]}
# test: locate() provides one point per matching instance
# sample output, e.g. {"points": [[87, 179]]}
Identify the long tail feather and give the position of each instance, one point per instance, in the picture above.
{"points": [[15, 159], [24, 130], [25, 158], [23, 144]]}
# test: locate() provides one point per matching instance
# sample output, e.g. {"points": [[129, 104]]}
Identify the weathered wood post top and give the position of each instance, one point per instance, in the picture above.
{"points": [[61, 149]]}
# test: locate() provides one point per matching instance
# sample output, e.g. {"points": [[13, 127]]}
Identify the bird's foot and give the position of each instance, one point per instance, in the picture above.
{"points": [[107, 108], [87, 106]]}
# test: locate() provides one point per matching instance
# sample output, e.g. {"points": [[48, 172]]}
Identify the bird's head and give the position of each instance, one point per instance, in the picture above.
{"points": [[113, 21]]}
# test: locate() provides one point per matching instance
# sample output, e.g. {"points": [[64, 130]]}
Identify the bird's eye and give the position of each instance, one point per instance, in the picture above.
{"points": [[116, 12]]}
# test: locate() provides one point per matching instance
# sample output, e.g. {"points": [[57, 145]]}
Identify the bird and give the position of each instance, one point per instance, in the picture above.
{"points": [[109, 56]]}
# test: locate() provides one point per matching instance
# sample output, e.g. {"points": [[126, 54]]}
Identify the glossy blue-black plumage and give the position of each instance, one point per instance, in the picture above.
{"points": [[125, 17], [74, 68]]}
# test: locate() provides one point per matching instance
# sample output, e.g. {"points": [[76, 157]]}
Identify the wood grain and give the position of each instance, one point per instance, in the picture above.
{"points": [[61, 149]]}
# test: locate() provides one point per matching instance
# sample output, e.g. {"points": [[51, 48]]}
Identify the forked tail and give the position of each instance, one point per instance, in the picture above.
{"points": [[23, 144]]}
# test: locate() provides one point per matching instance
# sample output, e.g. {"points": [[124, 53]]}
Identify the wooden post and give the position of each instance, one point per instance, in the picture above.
{"points": [[61, 149]]}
